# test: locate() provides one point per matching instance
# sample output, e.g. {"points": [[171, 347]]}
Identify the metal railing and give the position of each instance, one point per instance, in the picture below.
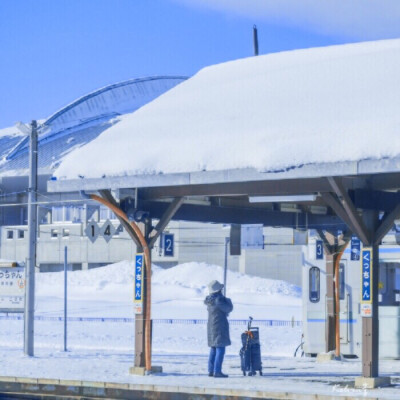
{"points": [[260, 322]]}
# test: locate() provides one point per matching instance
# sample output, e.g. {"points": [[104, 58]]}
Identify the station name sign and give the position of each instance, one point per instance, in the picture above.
{"points": [[12, 289], [138, 288], [366, 282]]}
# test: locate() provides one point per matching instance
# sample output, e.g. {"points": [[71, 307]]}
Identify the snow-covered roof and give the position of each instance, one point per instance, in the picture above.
{"points": [[79, 122], [271, 112]]}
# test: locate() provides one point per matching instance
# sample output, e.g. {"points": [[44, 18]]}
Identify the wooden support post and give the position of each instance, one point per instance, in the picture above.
{"points": [[140, 326], [330, 324], [141, 319], [330, 327], [370, 325], [334, 249]]}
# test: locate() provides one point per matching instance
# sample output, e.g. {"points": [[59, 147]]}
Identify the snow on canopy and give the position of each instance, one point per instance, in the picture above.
{"points": [[338, 103]]}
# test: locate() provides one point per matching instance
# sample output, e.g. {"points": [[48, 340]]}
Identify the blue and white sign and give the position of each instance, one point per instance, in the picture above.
{"points": [[252, 236], [12, 289], [168, 244], [138, 289], [319, 250], [366, 282], [355, 249]]}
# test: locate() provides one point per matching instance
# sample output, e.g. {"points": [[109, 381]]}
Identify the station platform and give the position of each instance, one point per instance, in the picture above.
{"points": [[283, 378]]}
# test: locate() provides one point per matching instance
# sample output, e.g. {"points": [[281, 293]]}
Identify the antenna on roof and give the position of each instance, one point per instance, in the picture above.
{"points": [[255, 40]]}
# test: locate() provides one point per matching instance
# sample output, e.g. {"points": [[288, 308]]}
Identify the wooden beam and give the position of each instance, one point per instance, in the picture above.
{"points": [[386, 223], [106, 194], [337, 207], [328, 240], [345, 240], [359, 227], [166, 218], [243, 215], [248, 188]]}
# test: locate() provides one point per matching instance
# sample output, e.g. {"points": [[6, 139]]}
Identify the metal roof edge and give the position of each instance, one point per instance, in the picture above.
{"points": [[105, 89], [347, 168]]}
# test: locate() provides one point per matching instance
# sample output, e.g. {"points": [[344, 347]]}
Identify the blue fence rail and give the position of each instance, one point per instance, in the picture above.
{"points": [[256, 322]]}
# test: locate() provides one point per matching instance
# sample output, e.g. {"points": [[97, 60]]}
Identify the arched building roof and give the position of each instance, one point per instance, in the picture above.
{"points": [[80, 122]]}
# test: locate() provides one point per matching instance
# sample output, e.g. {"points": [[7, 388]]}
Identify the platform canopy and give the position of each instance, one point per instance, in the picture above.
{"points": [[320, 122], [302, 139]]}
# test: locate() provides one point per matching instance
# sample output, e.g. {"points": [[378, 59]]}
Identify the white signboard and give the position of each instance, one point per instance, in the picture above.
{"points": [[252, 236], [12, 289], [92, 231], [107, 231], [366, 310]]}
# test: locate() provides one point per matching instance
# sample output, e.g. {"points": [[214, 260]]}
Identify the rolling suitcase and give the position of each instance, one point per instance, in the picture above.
{"points": [[250, 353]]}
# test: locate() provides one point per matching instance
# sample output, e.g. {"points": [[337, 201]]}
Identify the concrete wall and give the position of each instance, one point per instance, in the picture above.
{"points": [[203, 243], [53, 238], [274, 262], [198, 242]]}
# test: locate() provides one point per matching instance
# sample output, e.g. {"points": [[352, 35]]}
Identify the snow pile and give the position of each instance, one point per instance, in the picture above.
{"points": [[197, 276], [267, 112], [185, 282], [111, 283], [177, 292]]}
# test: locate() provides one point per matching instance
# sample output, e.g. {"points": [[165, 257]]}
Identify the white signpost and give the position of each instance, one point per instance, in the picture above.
{"points": [[12, 289], [92, 231], [107, 231]]}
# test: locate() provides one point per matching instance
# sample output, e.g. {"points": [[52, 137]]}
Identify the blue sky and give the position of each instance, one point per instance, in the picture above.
{"points": [[54, 51]]}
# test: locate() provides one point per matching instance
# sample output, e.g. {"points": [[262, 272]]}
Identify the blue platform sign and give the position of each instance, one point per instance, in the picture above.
{"points": [[168, 245], [366, 282], [138, 289], [319, 250], [355, 249]]}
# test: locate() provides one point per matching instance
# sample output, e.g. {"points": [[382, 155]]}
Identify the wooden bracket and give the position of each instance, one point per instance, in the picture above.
{"points": [[106, 194], [386, 223], [164, 221], [356, 223]]}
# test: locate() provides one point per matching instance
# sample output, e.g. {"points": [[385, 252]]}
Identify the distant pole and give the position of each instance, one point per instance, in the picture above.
{"points": [[255, 40], [65, 295], [225, 263], [32, 238]]}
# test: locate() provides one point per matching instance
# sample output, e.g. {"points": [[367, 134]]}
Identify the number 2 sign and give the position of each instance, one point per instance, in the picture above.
{"points": [[169, 245]]}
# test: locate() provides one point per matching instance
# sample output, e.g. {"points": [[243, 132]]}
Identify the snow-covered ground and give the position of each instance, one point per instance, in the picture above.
{"points": [[177, 293], [102, 350]]}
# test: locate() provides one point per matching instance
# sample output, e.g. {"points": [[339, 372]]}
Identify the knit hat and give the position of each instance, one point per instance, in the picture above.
{"points": [[214, 287]]}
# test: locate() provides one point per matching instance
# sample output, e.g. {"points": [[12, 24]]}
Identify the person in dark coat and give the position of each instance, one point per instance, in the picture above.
{"points": [[218, 307]]}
